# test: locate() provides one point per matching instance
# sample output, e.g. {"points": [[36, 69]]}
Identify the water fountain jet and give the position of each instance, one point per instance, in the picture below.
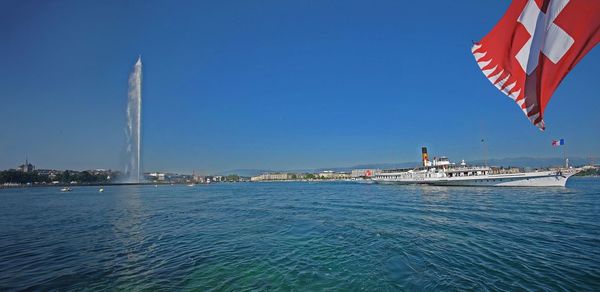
{"points": [[134, 123]]}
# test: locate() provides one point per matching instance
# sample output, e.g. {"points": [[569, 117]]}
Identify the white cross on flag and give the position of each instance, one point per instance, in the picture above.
{"points": [[534, 46]]}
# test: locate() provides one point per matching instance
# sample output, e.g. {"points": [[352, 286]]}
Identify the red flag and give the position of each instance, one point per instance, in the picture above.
{"points": [[534, 46]]}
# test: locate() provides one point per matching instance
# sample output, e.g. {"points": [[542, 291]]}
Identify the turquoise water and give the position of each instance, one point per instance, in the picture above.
{"points": [[301, 236]]}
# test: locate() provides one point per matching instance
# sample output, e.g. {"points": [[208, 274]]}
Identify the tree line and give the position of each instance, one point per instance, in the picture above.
{"points": [[67, 176], [589, 172]]}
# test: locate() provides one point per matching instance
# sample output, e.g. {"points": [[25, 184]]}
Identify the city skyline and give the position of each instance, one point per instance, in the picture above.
{"points": [[275, 86]]}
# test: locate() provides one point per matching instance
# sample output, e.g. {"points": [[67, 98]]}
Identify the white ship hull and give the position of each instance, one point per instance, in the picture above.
{"points": [[526, 179]]}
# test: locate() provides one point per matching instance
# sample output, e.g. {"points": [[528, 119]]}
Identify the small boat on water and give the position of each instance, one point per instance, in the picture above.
{"points": [[441, 172], [65, 189], [101, 190]]}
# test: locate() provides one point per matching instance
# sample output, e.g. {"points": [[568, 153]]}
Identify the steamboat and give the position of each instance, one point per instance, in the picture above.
{"points": [[441, 172]]}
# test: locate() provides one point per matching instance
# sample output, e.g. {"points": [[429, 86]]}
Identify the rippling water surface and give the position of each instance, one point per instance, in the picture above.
{"points": [[302, 236]]}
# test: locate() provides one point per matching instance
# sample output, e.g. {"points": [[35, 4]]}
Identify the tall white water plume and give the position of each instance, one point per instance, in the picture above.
{"points": [[134, 123]]}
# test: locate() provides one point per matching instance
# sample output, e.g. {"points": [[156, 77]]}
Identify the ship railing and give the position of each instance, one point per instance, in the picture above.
{"points": [[396, 170], [468, 168]]}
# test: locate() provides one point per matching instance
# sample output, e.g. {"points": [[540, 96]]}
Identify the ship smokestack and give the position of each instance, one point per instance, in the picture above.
{"points": [[424, 156]]}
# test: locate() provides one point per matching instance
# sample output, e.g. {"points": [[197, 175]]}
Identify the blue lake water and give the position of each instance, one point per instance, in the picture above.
{"points": [[301, 236]]}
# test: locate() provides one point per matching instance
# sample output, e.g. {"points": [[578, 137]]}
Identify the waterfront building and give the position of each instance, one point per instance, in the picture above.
{"points": [[364, 173], [329, 174], [199, 179], [271, 176], [156, 176]]}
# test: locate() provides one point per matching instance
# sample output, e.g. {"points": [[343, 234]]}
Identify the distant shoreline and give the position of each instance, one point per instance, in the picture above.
{"points": [[17, 186]]}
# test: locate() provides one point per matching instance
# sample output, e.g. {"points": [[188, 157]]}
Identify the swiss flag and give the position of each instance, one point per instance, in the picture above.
{"points": [[534, 46]]}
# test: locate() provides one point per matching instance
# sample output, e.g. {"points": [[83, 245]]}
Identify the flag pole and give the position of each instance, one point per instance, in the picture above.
{"points": [[485, 152], [565, 155]]}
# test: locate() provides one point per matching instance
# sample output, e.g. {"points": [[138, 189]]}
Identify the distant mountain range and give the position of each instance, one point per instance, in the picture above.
{"points": [[515, 162]]}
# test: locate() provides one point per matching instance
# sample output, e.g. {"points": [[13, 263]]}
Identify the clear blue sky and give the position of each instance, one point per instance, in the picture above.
{"points": [[268, 84]]}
